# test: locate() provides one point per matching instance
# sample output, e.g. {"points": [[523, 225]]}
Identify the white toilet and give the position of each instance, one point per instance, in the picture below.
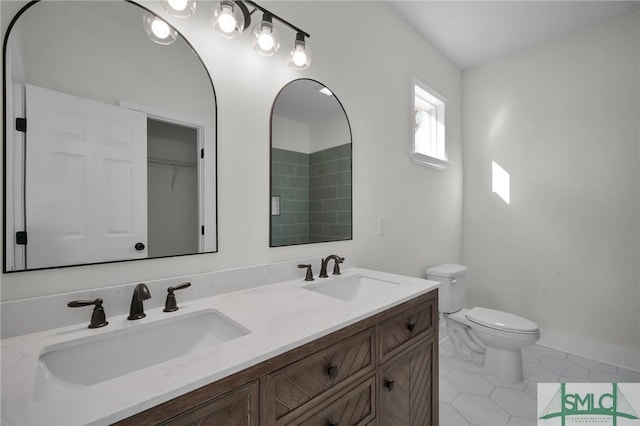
{"points": [[484, 337]]}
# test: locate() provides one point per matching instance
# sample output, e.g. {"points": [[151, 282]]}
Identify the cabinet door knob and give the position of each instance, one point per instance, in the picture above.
{"points": [[411, 326], [139, 246], [332, 371], [389, 384]]}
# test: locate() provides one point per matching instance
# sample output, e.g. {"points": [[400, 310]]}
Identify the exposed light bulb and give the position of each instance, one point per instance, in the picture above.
{"points": [[229, 18], [226, 21], [300, 54], [265, 40], [178, 4], [160, 29], [299, 57], [179, 8]]}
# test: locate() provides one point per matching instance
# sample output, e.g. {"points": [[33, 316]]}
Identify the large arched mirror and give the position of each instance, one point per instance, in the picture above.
{"points": [[117, 160], [310, 166]]}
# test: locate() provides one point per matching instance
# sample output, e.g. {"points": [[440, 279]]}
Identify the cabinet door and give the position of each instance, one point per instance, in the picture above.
{"points": [[236, 408], [406, 396]]}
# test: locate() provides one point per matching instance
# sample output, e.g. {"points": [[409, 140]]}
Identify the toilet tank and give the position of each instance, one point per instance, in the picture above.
{"points": [[451, 293]]}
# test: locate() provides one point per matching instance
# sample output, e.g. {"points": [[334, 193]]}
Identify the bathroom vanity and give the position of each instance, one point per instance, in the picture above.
{"points": [[355, 349], [378, 368]]}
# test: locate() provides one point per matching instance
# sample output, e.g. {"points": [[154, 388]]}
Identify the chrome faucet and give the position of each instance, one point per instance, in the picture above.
{"points": [[336, 268], [140, 292]]}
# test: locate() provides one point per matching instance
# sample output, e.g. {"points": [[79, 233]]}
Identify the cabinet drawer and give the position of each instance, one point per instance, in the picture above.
{"points": [[355, 407], [293, 386], [400, 330], [238, 408]]}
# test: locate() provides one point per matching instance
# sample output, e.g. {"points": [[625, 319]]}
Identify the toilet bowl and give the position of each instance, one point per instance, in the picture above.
{"points": [[484, 337]]}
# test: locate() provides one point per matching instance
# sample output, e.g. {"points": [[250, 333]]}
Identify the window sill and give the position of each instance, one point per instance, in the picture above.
{"points": [[426, 160]]}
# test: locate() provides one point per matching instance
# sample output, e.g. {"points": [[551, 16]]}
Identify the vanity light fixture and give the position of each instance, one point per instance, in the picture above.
{"points": [[266, 38], [230, 18], [180, 8], [158, 30]]}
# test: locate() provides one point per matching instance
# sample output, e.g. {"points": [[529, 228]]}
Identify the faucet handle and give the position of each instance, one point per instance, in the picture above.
{"points": [[336, 266], [98, 317], [309, 276], [170, 305]]}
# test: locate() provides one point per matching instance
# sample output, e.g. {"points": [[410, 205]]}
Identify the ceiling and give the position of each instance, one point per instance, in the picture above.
{"points": [[302, 101], [471, 33]]}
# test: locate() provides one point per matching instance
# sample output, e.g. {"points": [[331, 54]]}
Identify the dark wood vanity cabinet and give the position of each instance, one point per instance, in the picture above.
{"points": [[380, 371]]}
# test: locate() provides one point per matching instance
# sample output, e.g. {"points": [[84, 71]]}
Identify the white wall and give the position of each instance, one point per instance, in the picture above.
{"points": [[300, 137], [333, 131], [423, 206], [113, 61], [290, 135], [562, 119]]}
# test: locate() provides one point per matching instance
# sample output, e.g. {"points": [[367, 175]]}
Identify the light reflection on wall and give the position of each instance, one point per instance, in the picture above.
{"points": [[500, 181]]}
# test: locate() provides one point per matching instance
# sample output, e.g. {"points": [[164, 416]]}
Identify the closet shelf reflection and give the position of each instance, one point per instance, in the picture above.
{"points": [[176, 163]]}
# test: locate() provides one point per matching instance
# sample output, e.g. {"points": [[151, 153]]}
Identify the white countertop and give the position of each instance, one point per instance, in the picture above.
{"points": [[280, 317]]}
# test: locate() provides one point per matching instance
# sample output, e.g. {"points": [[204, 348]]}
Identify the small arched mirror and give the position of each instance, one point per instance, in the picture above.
{"points": [[119, 154], [311, 182]]}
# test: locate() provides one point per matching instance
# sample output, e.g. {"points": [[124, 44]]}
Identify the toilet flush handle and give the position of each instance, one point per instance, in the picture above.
{"points": [[454, 280]]}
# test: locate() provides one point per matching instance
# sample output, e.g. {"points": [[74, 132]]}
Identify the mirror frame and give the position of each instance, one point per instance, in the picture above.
{"points": [[7, 125], [346, 116]]}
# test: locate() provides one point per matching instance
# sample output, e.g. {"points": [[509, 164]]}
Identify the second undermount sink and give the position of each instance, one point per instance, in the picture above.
{"points": [[353, 287], [110, 355]]}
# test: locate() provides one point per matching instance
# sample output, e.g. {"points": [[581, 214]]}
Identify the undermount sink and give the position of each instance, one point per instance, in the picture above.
{"points": [[86, 362], [353, 287]]}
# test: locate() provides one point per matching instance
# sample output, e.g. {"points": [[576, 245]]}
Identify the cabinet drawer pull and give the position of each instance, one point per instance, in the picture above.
{"points": [[411, 326], [389, 384], [332, 371]]}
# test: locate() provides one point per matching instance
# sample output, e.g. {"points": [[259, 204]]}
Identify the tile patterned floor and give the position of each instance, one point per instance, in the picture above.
{"points": [[468, 398]]}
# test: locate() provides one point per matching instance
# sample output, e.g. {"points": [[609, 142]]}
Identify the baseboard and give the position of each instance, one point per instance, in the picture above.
{"points": [[586, 348]]}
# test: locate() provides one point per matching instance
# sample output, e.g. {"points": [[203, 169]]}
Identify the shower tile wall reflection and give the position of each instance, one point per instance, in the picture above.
{"points": [[330, 184], [290, 180], [315, 195]]}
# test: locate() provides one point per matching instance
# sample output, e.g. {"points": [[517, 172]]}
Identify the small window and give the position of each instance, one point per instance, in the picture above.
{"points": [[428, 144]]}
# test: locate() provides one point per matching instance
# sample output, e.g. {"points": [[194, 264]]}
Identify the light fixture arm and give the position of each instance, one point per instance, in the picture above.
{"points": [[273, 15], [245, 12]]}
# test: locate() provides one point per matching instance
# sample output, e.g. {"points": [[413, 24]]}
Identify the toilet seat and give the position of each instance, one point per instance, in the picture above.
{"points": [[502, 321]]}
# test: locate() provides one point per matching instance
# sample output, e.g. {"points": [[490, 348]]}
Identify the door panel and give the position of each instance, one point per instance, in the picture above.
{"points": [[86, 187]]}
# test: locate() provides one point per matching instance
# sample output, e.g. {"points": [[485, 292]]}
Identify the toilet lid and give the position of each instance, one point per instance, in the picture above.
{"points": [[501, 320]]}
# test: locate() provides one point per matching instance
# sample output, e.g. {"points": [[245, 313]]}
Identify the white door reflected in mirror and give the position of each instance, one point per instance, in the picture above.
{"points": [[94, 201]]}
